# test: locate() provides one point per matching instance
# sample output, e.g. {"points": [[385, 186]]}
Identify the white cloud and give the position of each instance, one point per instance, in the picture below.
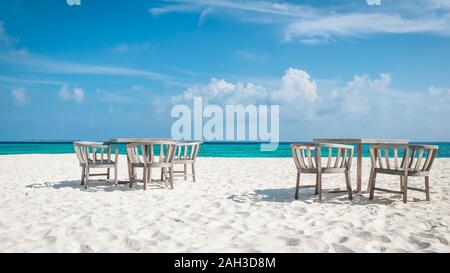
{"points": [[71, 94], [296, 85], [359, 95], [73, 2], [364, 106], [222, 92], [373, 2], [436, 91], [20, 97]]}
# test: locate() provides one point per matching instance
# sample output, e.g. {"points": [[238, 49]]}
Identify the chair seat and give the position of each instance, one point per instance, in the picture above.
{"points": [[101, 163], [324, 170], [183, 161], [401, 171], [151, 165]]}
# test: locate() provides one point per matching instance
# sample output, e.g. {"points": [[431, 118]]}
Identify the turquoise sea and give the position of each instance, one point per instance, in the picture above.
{"points": [[209, 149]]}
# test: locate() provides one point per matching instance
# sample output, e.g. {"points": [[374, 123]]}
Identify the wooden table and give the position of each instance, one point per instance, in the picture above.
{"points": [[138, 140], [359, 142]]}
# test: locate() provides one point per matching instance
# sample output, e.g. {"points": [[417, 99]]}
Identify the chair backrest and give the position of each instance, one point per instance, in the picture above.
{"points": [[422, 157], [87, 150], [304, 155], [309, 155], [133, 153], [187, 150], [338, 155], [166, 151], [418, 158]]}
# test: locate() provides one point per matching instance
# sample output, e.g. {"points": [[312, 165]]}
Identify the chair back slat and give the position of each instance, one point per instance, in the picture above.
{"points": [[338, 155], [344, 158], [396, 158], [330, 153], [419, 160], [380, 161], [430, 163], [412, 157], [386, 157]]}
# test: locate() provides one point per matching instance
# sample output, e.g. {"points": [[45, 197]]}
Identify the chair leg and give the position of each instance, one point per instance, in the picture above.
{"points": [[108, 174], [401, 183], [86, 182], [427, 187], [162, 174], [130, 176], [193, 172], [83, 174], [369, 185], [405, 188], [372, 184], [316, 192], [171, 177], [349, 185], [320, 186], [297, 186], [185, 172], [115, 175], [145, 177]]}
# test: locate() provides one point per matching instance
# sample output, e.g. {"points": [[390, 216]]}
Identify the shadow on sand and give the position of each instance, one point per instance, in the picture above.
{"points": [[286, 195], [95, 186]]}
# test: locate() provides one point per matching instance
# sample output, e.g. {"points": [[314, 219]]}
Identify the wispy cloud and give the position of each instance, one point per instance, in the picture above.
{"points": [[42, 64], [5, 39], [126, 47], [15, 80], [250, 54], [314, 24], [256, 7], [358, 25]]}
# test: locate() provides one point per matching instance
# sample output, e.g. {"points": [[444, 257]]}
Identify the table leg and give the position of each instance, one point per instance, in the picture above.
{"points": [[359, 167], [130, 174]]}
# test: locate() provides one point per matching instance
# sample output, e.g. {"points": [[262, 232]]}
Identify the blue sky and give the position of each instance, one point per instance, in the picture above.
{"points": [[94, 69]]}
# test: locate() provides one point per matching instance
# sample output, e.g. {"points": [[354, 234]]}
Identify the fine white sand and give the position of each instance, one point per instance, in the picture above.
{"points": [[237, 205]]}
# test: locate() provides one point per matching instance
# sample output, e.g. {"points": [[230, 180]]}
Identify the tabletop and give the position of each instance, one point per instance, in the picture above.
{"points": [[141, 140], [363, 140]]}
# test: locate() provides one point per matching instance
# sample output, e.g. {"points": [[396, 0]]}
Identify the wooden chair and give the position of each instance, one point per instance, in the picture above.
{"points": [[95, 155], [417, 158], [308, 159], [186, 153], [147, 161]]}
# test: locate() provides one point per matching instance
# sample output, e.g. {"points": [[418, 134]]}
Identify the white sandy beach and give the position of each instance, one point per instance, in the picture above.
{"points": [[237, 205]]}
